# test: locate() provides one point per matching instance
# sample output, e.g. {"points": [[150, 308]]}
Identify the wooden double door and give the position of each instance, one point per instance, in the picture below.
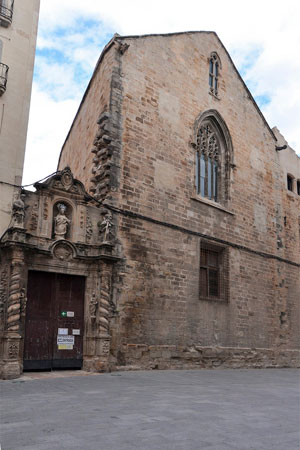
{"points": [[54, 321]]}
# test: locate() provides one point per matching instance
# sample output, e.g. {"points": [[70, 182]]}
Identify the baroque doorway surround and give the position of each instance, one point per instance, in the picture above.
{"points": [[58, 233]]}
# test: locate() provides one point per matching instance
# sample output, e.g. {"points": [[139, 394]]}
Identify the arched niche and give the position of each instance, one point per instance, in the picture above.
{"points": [[62, 223]]}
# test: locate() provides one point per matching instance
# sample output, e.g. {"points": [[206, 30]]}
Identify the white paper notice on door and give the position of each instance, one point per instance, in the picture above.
{"points": [[61, 340], [63, 331], [76, 332]]}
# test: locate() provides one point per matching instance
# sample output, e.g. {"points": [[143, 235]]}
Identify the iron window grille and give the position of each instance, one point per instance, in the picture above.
{"points": [[3, 77], [207, 162], [6, 12], [214, 272]]}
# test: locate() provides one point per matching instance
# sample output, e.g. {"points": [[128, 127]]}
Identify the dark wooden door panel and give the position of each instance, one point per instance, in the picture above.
{"points": [[38, 328], [55, 303], [69, 292]]}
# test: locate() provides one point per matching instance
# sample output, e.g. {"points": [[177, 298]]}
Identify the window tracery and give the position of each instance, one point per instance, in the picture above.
{"points": [[207, 161], [214, 158]]}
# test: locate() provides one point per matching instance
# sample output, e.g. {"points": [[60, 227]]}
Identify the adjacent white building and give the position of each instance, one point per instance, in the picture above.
{"points": [[18, 32]]}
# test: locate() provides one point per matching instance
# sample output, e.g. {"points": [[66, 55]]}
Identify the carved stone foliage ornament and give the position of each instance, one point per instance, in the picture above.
{"points": [[66, 181], [63, 251], [67, 178], [89, 228], [13, 350], [18, 211], [61, 222]]}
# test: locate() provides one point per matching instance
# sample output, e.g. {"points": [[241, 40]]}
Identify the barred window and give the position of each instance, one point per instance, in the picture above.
{"points": [[213, 272]]}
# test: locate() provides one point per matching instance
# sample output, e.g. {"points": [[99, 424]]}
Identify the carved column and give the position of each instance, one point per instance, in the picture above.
{"points": [[104, 313], [14, 297]]}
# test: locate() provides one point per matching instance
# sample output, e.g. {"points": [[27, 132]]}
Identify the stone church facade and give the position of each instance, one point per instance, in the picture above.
{"points": [[190, 256]]}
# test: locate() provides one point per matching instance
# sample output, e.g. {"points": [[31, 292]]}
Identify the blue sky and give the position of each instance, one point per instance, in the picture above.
{"points": [[262, 38]]}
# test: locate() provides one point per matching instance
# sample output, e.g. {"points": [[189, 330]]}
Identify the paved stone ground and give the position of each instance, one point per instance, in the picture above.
{"points": [[157, 410]]}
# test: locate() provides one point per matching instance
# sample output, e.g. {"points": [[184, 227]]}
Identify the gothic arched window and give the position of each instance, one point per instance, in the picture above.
{"points": [[213, 157], [207, 162], [214, 72]]}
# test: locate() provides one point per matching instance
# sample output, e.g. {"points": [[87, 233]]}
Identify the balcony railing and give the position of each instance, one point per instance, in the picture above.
{"points": [[3, 78], [6, 12]]}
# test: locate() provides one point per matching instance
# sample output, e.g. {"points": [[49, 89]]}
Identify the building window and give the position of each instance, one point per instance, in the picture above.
{"points": [[213, 272], [214, 72], [6, 12], [290, 183], [298, 187], [207, 162], [213, 158]]}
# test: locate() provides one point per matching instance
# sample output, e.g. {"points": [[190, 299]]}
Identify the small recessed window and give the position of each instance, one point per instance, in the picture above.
{"points": [[290, 183], [298, 187], [213, 272], [214, 71]]}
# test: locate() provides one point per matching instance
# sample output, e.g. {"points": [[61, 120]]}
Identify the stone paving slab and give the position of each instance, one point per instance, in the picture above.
{"points": [[152, 410]]}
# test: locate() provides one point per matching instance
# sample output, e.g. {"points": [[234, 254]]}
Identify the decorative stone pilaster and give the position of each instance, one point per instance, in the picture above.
{"points": [[13, 293]]}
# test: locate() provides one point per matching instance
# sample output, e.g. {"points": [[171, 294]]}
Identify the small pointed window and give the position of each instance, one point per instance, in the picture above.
{"points": [[214, 71]]}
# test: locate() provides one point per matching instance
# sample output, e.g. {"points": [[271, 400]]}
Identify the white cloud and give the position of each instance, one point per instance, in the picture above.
{"points": [[49, 124], [262, 37]]}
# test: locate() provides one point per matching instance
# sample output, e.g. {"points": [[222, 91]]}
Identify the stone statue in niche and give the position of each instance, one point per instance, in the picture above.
{"points": [[106, 227], [18, 211], [93, 306], [61, 222]]}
